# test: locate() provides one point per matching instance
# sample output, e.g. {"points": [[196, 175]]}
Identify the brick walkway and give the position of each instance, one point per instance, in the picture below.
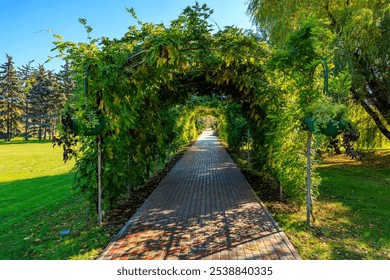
{"points": [[203, 209]]}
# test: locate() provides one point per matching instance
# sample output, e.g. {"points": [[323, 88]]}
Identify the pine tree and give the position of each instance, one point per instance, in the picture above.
{"points": [[38, 104], [65, 86], [26, 75], [56, 101], [45, 100], [11, 98], [66, 80]]}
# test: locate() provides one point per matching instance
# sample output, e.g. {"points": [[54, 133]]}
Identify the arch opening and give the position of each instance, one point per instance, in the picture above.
{"points": [[157, 87]]}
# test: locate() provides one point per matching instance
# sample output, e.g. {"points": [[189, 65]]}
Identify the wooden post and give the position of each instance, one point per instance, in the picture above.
{"points": [[308, 179], [99, 179]]}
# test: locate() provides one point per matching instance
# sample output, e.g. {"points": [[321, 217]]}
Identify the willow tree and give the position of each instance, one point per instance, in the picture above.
{"points": [[361, 44]]}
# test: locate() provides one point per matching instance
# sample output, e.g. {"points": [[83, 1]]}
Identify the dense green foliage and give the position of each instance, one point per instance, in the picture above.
{"points": [[43, 103], [141, 86], [359, 44], [10, 100], [31, 99], [147, 93]]}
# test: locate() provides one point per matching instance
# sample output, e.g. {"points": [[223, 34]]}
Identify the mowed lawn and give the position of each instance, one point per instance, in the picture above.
{"points": [[37, 204], [352, 211]]}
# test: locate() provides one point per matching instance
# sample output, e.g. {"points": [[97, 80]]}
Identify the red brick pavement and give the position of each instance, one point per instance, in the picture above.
{"points": [[203, 209]]}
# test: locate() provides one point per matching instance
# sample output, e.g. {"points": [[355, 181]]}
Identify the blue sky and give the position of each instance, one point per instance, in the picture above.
{"points": [[24, 22]]}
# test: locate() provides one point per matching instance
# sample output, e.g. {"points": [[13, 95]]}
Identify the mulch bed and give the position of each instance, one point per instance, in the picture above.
{"points": [[265, 189]]}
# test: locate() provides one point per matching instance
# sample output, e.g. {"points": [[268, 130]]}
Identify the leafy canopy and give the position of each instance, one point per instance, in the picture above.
{"points": [[149, 89]]}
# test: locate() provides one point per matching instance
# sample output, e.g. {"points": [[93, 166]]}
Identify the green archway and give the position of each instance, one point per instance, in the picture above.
{"points": [[141, 87]]}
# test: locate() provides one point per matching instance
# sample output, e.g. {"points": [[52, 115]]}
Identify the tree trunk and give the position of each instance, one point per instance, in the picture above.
{"points": [[334, 144], [39, 133], [379, 123], [54, 128], [26, 130], [377, 96], [26, 124], [8, 124]]}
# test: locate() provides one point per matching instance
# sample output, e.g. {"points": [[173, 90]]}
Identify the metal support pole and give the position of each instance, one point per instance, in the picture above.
{"points": [[99, 179], [280, 192], [308, 179]]}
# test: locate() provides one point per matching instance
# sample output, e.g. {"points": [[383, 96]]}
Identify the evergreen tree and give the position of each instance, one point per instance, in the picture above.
{"points": [[38, 103], [66, 81], [11, 98], [56, 100], [26, 75], [65, 86], [45, 99]]}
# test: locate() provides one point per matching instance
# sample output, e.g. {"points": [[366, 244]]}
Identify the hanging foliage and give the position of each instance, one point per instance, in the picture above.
{"points": [[137, 92], [360, 44], [148, 91]]}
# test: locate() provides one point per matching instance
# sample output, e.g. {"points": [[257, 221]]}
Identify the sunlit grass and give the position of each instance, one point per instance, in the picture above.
{"points": [[30, 160], [37, 204], [352, 212]]}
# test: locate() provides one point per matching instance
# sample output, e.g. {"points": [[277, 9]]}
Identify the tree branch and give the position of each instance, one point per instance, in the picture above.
{"points": [[379, 123]]}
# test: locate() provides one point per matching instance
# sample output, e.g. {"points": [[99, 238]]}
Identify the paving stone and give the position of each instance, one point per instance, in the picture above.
{"points": [[203, 209]]}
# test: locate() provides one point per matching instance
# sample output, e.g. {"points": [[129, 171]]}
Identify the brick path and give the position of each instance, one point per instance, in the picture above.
{"points": [[203, 209]]}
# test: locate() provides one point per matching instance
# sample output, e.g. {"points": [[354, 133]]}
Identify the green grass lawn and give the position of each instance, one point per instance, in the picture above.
{"points": [[352, 212], [37, 204]]}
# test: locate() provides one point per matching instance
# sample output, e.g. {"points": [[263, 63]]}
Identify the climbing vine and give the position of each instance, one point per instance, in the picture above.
{"points": [[143, 96]]}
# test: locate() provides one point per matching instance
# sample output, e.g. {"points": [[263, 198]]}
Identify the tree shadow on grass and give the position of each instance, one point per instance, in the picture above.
{"points": [[365, 205], [34, 213], [19, 142]]}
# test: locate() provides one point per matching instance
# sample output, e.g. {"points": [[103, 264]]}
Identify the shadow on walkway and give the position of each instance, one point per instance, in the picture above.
{"points": [[203, 209]]}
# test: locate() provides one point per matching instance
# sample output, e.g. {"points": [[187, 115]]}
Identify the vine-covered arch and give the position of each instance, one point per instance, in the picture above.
{"points": [[140, 93]]}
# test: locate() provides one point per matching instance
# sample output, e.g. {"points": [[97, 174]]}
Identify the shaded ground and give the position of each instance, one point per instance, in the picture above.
{"points": [[266, 190], [373, 159]]}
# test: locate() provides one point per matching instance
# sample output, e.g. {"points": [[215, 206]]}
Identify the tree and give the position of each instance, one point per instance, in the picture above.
{"points": [[44, 102], [10, 99], [361, 43], [66, 82], [26, 74]]}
